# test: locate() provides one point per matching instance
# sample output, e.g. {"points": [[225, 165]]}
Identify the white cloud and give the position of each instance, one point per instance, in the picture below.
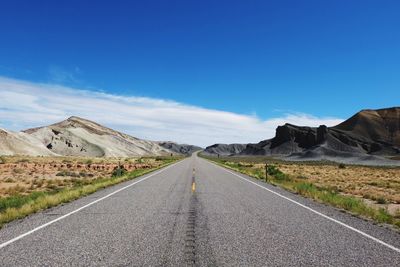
{"points": [[25, 104]]}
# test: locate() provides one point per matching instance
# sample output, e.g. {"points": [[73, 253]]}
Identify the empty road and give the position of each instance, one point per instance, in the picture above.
{"points": [[207, 217]]}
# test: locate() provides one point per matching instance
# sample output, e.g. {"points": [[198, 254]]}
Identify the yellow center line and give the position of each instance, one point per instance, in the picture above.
{"points": [[193, 186]]}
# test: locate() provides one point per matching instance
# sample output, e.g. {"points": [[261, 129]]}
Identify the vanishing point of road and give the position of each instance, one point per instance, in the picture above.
{"points": [[194, 213]]}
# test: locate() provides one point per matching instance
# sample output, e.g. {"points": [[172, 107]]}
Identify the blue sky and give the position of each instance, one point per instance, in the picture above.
{"points": [[262, 59]]}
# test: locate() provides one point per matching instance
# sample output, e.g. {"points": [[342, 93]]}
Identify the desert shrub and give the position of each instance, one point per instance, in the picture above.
{"points": [[119, 171], [89, 161], [282, 177], [85, 174], [249, 165], [9, 180], [61, 173], [23, 160], [258, 173], [342, 166], [67, 173], [18, 171], [3, 160], [272, 170], [302, 177], [276, 173], [381, 200]]}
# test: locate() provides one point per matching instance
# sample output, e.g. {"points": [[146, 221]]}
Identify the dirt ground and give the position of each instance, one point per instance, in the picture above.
{"points": [[378, 186], [27, 174]]}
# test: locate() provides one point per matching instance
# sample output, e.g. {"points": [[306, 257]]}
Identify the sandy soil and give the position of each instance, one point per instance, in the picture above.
{"points": [[378, 186], [27, 174]]}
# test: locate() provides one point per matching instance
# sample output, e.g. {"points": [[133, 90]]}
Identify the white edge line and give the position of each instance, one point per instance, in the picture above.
{"points": [[314, 211], [81, 208]]}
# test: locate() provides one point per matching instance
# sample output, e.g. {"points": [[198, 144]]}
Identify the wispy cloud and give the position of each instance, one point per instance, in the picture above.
{"points": [[25, 104], [58, 74]]}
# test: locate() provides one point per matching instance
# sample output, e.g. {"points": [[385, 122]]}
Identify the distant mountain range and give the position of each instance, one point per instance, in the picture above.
{"points": [[80, 137], [180, 148], [372, 135]]}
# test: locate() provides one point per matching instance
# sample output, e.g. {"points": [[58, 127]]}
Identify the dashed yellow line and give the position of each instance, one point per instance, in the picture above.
{"points": [[193, 186]]}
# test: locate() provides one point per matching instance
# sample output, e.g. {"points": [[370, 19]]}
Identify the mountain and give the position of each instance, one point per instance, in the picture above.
{"points": [[12, 143], [381, 126], [80, 137], [368, 135], [179, 148], [225, 149]]}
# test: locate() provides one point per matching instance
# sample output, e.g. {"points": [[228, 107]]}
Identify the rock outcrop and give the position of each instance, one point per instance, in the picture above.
{"points": [[224, 149], [12, 143], [369, 134]]}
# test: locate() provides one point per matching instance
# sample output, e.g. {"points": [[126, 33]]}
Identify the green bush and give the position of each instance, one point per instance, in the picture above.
{"points": [[277, 174], [119, 171], [342, 166]]}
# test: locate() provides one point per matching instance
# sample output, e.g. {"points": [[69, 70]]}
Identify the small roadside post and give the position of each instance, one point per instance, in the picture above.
{"points": [[266, 172]]}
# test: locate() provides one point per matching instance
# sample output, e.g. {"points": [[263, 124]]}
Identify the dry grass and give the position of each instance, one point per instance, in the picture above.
{"points": [[39, 187], [367, 182], [372, 192], [25, 175]]}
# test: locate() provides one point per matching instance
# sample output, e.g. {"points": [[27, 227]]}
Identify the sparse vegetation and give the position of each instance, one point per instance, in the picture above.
{"points": [[24, 194], [324, 191], [381, 200], [342, 166], [119, 171], [18, 170], [68, 173]]}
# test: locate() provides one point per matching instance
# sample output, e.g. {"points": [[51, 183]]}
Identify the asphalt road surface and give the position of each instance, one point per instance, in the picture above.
{"points": [[207, 217]]}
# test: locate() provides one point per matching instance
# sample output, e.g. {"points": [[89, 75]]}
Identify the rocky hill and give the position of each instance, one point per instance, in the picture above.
{"points": [[179, 148], [369, 134], [78, 137], [12, 143], [225, 149]]}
